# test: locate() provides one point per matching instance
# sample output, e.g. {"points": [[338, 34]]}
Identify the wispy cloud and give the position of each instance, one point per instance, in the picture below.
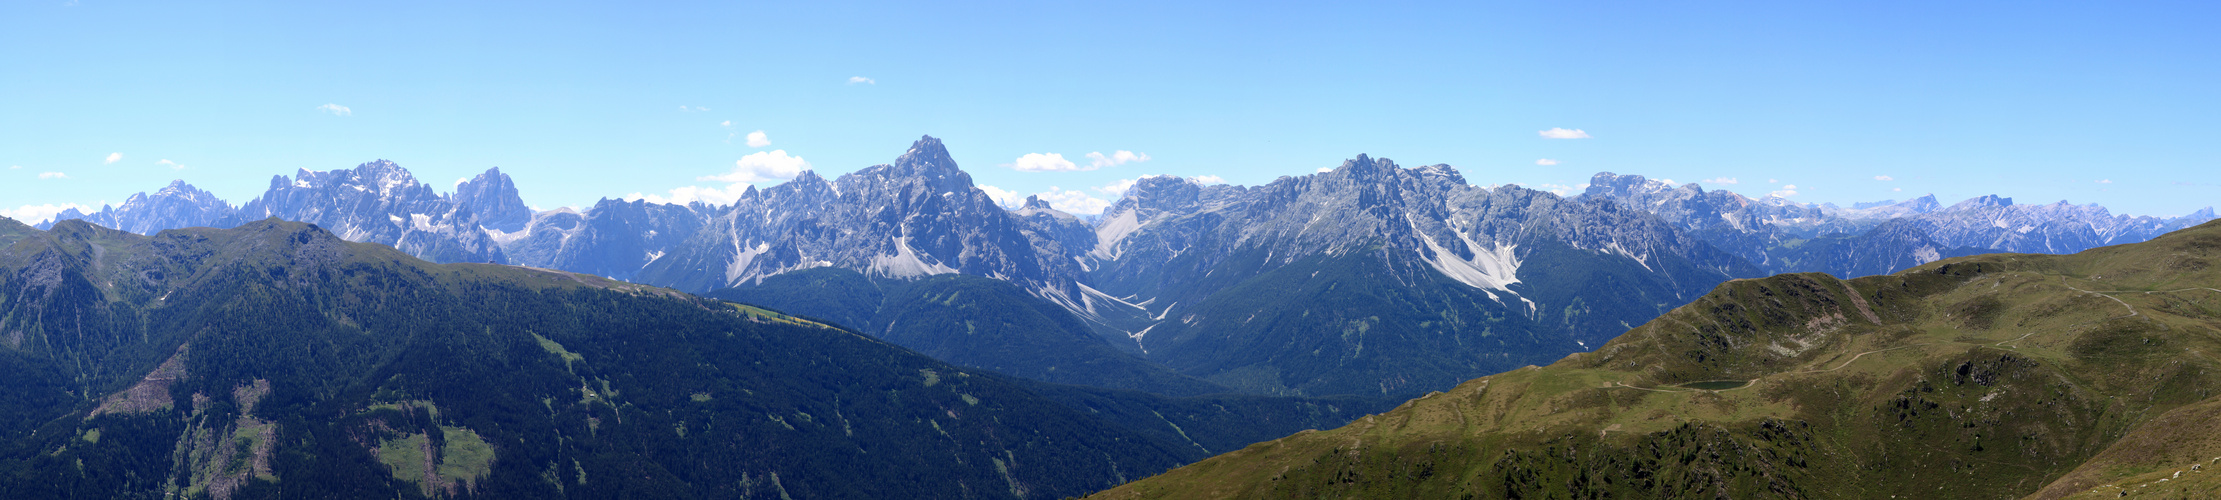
{"points": [[2105, 181], [1560, 189], [1117, 188], [35, 214], [691, 194], [1004, 197], [1208, 179], [53, 175], [759, 167], [858, 79], [1044, 162], [173, 165], [1073, 201], [1773, 181], [336, 110], [1559, 133], [1098, 160], [757, 139], [112, 158], [763, 166], [1722, 180], [15, 167], [1546, 162], [692, 109], [1884, 178], [1785, 192]]}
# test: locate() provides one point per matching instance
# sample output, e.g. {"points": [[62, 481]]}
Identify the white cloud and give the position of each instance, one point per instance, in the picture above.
{"points": [[112, 158], [1074, 201], [1117, 188], [1893, 190], [173, 165], [1773, 181], [53, 175], [1044, 162], [763, 166], [1884, 178], [693, 109], [858, 79], [336, 110], [1004, 197], [1326, 169], [1722, 180], [690, 194], [34, 214], [1208, 179], [2105, 181], [1097, 160], [1785, 192], [1559, 189], [726, 123], [15, 167], [1546, 162], [757, 139], [1559, 133]]}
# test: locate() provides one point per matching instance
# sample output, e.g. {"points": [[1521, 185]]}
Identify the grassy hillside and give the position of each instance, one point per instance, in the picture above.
{"points": [[1987, 376]]}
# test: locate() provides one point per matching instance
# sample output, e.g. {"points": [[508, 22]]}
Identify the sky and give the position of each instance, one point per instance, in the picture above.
{"points": [[2110, 103]]}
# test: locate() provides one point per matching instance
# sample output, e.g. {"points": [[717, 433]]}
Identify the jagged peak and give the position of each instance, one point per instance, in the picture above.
{"points": [[926, 154], [1366, 163], [1442, 170], [1033, 202], [1984, 201]]}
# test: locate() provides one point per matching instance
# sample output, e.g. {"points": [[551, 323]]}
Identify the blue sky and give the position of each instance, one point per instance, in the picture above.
{"points": [[2112, 103]]}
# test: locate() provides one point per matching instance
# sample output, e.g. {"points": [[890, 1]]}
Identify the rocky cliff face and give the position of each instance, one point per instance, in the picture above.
{"points": [[917, 217], [178, 205], [615, 238], [379, 202], [493, 198]]}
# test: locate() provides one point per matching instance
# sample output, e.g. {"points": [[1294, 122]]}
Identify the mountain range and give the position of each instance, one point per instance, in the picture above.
{"points": [[277, 360], [1369, 278]]}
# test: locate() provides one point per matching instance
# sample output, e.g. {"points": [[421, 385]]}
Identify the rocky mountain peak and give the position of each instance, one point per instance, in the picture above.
{"points": [[492, 197], [1440, 171], [1984, 201], [1035, 203], [1156, 194], [1611, 185], [1367, 167], [1923, 204], [925, 167]]}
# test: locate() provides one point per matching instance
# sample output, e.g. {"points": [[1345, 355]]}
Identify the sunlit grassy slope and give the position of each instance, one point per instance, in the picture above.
{"points": [[1988, 376]]}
